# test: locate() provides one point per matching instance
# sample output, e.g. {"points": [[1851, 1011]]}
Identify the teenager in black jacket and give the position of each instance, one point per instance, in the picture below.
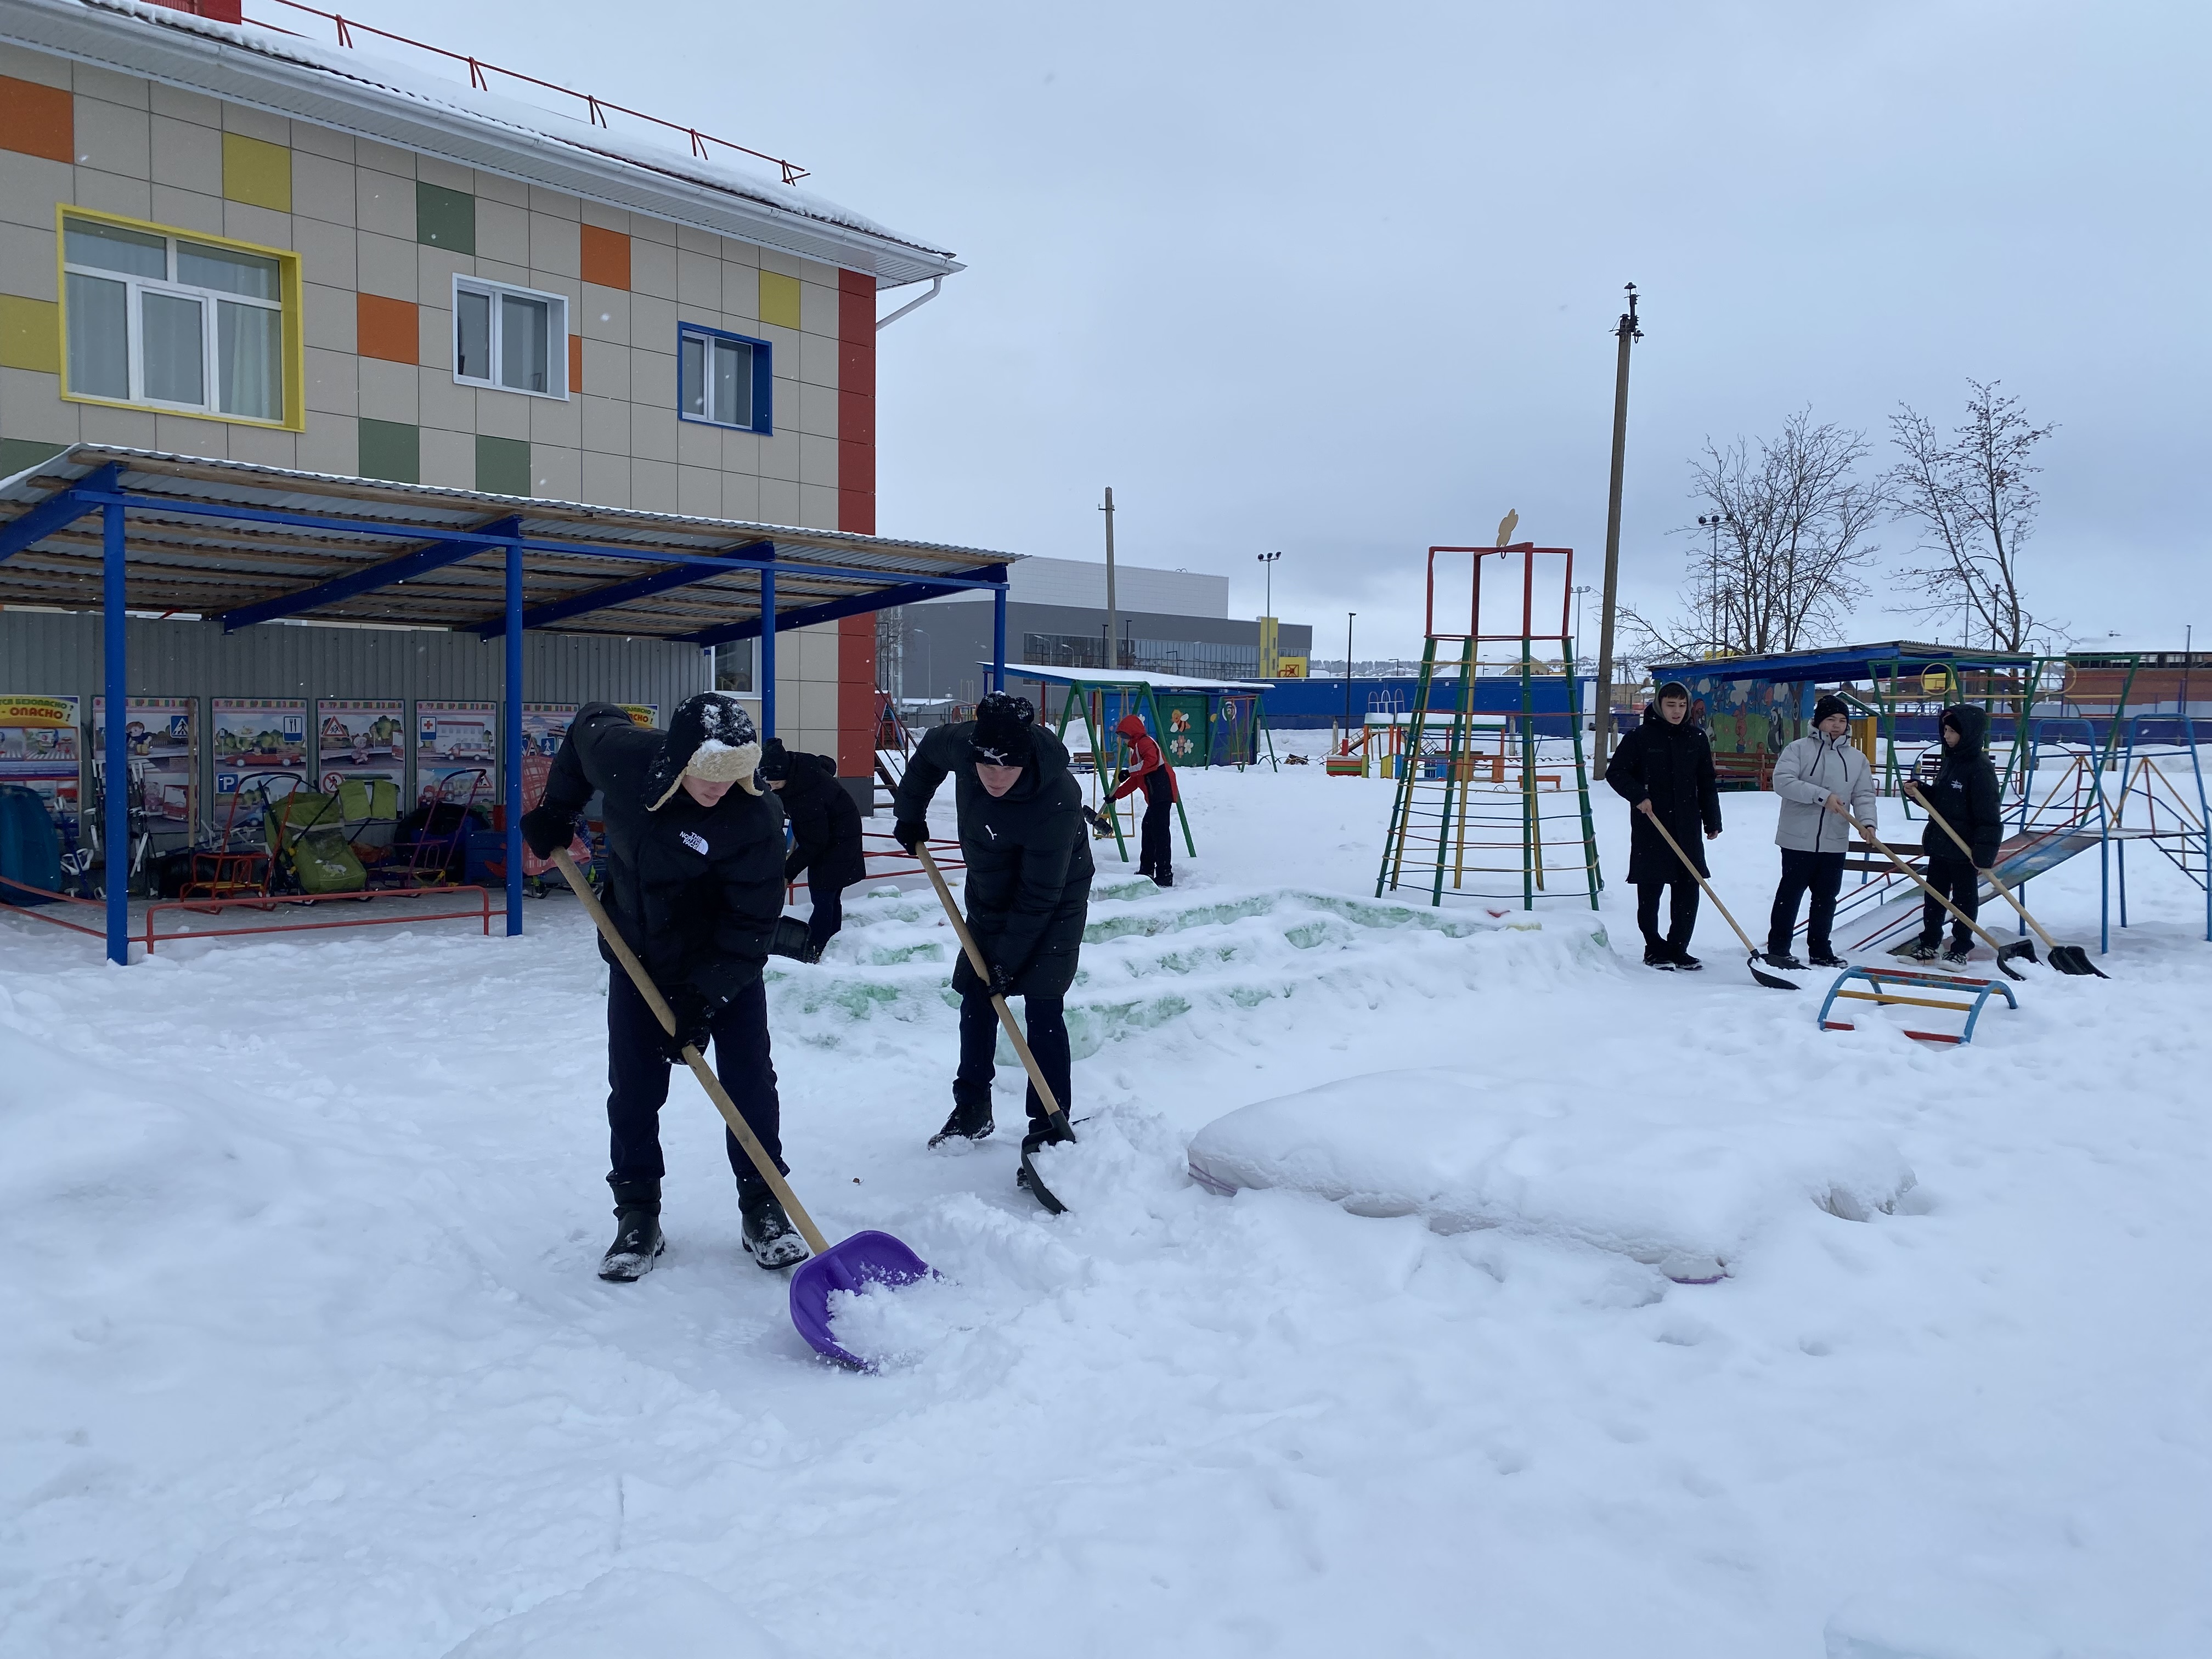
{"points": [[694, 885], [1664, 770], [1029, 890], [1965, 793], [825, 834]]}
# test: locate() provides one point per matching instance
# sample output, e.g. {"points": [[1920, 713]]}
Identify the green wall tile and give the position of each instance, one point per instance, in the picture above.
{"points": [[502, 465], [445, 218], [392, 450], [20, 455]]}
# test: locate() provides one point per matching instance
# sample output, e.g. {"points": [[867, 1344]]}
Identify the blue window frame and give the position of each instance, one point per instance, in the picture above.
{"points": [[724, 378]]}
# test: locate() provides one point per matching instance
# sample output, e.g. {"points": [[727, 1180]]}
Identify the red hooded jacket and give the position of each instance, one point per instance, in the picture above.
{"points": [[1148, 760]]}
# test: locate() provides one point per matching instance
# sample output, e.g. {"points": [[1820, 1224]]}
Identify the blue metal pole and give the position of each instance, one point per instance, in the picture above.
{"points": [[118, 760], [999, 639], [514, 738], [768, 655]]}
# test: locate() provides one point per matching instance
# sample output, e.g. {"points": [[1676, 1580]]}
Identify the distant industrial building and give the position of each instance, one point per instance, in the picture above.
{"points": [[1169, 622]]}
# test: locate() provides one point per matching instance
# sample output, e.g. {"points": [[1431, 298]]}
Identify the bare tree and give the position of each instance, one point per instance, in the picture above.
{"points": [[1779, 571], [1970, 497]]}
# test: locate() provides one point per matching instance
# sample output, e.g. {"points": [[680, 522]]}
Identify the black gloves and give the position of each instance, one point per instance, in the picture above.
{"points": [[547, 829], [695, 1025], [788, 938], [909, 833], [1002, 981]]}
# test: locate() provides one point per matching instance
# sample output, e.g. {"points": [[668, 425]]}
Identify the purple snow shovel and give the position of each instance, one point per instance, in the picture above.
{"points": [[865, 1258]]}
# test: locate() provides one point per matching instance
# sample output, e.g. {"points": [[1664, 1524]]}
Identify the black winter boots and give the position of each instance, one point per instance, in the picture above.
{"points": [[970, 1120], [770, 1239], [637, 1232]]}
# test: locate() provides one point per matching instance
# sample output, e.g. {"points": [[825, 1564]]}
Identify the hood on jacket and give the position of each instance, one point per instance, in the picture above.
{"points": [[1129, 726], [1972, 722]]}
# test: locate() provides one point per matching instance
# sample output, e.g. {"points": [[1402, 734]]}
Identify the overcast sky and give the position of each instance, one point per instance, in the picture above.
{"points": [[1341, 280]]}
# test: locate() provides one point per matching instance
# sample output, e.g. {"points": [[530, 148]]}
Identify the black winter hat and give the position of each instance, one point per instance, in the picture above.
{"points": [[775, 761], [710, 737], [1006, 730], [1830, 704]]}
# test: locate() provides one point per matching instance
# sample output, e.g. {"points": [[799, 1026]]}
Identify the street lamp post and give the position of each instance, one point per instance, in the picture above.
{"points": [[1711, 522], [1269, 662], [1348, 616]]}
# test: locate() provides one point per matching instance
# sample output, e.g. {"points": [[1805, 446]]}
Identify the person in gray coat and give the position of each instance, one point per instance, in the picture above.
{"points": [[1820, 777]]}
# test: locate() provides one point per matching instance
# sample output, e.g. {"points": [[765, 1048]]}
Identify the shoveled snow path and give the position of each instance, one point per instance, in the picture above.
{"points": [[306, 1353]]}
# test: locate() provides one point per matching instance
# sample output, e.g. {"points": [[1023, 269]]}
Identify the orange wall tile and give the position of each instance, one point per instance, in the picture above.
{"points": [[606, 256], [37, 120], [387, 328]]}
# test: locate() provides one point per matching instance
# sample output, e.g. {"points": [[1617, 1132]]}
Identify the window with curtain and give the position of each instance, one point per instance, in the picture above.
{"points": [[173, 321], [722, 378], [510, 339]]}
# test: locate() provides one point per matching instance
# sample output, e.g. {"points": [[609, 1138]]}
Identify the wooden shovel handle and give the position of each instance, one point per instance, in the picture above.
{"points": [[700, 1069], [1690, 865], [1882, 847], [1929, 806], [982, 969]]}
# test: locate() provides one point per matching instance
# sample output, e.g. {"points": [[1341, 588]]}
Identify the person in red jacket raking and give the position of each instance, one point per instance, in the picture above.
{"points": [[1155, 846]]}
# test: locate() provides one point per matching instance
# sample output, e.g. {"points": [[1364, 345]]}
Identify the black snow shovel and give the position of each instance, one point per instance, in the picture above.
{"points": [[1055, 1119], [2006, 952], [865, 1258], [2066, 958], [1771, 981]]}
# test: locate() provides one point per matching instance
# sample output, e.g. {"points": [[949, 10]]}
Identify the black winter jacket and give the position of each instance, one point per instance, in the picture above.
{"points": [[1965, 792], [1672, 767], [825, 825], [1028, 856], [695, 890]]}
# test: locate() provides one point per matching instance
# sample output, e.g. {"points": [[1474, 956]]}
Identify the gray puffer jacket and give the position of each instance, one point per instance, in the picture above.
{"points": [[1806, 773]]}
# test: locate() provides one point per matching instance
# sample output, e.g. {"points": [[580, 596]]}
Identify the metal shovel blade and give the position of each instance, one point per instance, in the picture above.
{"points": [[865, 1258], [1771, 981], [2007, 954], [2074, 959]]}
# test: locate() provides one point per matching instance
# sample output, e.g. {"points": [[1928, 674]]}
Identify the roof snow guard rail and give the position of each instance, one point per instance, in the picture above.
{"points": [[478, 68]]}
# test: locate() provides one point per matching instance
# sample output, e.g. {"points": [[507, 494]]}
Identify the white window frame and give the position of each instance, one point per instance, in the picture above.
{"points": [[137, 287], [557, 343]]}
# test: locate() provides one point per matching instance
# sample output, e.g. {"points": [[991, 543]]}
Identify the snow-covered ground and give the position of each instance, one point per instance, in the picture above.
{"points": [[305, 1353]]}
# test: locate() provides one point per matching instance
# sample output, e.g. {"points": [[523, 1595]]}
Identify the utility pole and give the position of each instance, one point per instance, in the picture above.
{"points": [[1602, 734], [1113, 615], [1348, 616]]}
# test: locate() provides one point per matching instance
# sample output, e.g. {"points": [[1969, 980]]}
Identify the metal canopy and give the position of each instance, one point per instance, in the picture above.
{"points": [[128, 530], [1838, 662], [253, 543]]}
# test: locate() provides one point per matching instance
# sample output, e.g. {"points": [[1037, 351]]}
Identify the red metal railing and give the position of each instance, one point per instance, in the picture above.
{"points": [[595, 108], [149, 935]]}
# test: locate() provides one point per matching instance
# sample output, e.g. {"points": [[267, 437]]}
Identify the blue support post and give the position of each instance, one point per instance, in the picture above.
{"points": [[998, 639], [768, 655], [514, 738], [117, 832]]}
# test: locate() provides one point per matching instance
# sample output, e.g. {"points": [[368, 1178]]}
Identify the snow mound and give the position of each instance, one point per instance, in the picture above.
{"points": [[630, 1610], [1682, 1189]]}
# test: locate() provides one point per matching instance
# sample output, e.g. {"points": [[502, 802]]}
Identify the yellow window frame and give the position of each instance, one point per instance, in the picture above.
{"points": [[294, 301]]}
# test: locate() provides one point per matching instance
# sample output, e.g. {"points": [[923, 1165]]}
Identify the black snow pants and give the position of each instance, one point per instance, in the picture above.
{"points": [[1959, 881], [1822, 873], [828, 915], [1156, 839], [1682, 913], [637, 1078], [1045, 1020]]}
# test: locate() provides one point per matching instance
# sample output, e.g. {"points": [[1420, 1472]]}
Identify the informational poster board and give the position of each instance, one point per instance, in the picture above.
{"points": [[254, 736], [164, 756], [38, 739], [644, 713], [457, 753], [364, 739], [543, 726]]}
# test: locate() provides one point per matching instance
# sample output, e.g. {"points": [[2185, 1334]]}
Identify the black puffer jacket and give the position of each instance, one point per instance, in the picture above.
{"points": [[695, 890], [1028, 855], [825, 825], [1965, 792], [1672, 766]]}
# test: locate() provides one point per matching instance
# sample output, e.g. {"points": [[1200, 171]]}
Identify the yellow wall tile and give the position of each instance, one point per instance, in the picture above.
{"points": [[257, 173], [778, 299], [30, 334]]}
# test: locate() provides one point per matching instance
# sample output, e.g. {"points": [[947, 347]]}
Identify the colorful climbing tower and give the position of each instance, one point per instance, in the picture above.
{"points": [[1493, 794]]}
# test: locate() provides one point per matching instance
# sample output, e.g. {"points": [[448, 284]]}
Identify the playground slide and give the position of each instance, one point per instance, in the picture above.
{"points": [[1886, 912]]}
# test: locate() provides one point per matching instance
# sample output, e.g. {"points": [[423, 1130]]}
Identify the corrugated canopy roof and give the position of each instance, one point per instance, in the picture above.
{"points": [[252, 543]]}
